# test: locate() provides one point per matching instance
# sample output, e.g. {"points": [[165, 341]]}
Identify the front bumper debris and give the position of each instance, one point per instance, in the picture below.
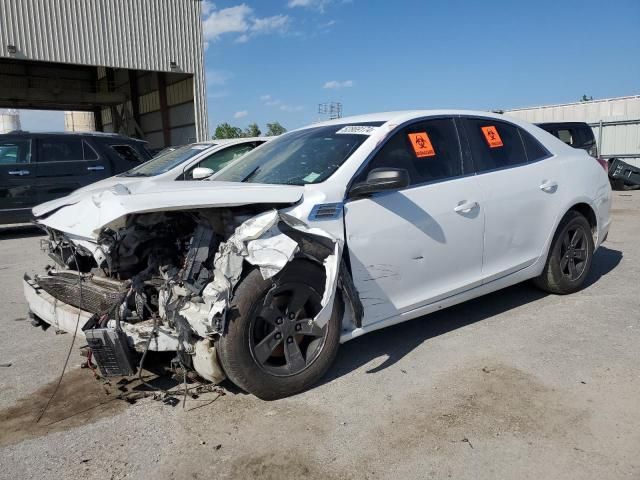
{"points": [[70, 319]]}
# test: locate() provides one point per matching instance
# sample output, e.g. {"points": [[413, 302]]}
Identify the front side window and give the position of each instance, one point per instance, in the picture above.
{"points": [[168, 160], [301, 157], [494, 144], [428, 150], [15, 151]]}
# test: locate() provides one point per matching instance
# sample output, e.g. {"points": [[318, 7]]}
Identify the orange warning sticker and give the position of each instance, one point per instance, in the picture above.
{"points": [[492, 136], [422, 145]]}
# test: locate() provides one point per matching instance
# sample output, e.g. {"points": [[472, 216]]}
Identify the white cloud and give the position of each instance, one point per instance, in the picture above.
{"points": [[240, 20], [274, 24], [240, 114], [291, 108], [269, 101], [317, 4], [336, 84]]}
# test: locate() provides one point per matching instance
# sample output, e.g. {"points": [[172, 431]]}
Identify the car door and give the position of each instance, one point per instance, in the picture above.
{"points": [[519, 185], [17, 178], [66, 163], [219, 159], [414, 246]]}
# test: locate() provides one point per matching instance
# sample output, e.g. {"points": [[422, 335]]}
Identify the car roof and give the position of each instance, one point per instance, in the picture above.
{"points": [[18, 133], [401, 116]]}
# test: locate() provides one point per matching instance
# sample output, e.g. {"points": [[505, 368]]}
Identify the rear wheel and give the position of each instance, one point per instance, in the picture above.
{"points": [[570, 256], [273, 348]]}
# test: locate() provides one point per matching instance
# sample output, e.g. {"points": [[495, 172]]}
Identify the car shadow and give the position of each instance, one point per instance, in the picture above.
{"points": [[8, 232], [397, 341]]}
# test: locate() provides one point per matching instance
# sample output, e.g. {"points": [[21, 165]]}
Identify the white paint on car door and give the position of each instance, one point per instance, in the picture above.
{"points": [[519, 196], [411, 247]]}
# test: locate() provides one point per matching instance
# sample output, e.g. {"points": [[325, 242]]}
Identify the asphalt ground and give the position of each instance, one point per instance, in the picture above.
{"points": [[517, 384]]}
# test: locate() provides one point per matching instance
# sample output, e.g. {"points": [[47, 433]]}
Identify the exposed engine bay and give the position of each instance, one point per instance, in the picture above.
{"points": [[163, 281]]}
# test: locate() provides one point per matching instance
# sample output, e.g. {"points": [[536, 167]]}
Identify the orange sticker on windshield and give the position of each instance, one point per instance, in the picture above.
{"points": [[422, 145], [492, 137]]}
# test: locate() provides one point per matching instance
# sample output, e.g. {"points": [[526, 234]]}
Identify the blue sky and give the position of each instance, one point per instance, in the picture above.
{"points": [[277, 59]]}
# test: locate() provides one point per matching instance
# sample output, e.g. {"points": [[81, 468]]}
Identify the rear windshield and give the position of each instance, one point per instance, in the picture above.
{"points": [[305, 156], [167, 161]]}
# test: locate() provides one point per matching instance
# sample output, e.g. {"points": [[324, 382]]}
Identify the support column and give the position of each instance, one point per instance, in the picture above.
{"points": [[164, 110]]}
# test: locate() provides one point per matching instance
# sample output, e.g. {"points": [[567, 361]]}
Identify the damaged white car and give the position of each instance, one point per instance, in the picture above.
{"points": [[319, 236]]}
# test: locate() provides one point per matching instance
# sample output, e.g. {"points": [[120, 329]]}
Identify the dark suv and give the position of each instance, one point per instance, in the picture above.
{"points": [[575, 134], [37, 167]]}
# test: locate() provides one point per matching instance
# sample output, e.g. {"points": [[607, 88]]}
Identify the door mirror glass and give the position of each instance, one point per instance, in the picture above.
{"points": [[380, 180], [201, 172]]}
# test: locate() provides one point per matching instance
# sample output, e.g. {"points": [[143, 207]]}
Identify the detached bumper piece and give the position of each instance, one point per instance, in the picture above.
{"points": [[623, 175], [111, 351]]}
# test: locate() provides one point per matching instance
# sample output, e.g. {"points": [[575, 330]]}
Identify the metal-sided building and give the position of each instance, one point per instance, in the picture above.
{"points": [[615, 123], [137, 65]]}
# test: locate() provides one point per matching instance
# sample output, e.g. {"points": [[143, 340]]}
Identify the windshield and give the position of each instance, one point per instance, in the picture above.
{"points": [[301, 157], [167, 161]]}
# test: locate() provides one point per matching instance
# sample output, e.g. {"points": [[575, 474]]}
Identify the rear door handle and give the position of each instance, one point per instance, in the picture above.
{"points": [[549, 186], [465, 207], [19, 172], [97, 168]]}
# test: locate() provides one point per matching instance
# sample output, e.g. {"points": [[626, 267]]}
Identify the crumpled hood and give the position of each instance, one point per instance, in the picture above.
{"points": [[85, 213]]}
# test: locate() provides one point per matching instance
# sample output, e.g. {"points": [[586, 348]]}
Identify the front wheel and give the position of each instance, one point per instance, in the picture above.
{"points": [[570, 256], [272, 347]]}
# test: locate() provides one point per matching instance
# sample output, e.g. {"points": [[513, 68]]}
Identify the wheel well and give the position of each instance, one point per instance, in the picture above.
{"points": [[585, 210]]}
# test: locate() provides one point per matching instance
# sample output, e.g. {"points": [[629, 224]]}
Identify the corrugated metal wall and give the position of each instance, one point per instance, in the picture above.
{"points": [[131, 34], [619, 118]]}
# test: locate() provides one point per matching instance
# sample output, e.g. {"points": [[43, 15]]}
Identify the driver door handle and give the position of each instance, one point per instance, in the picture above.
{"points": [[96, 168], [549, 186], [19, 172], [465, 207]]}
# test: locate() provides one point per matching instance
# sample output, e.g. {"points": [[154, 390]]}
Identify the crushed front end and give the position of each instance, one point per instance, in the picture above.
{"points": [[162, 281]]}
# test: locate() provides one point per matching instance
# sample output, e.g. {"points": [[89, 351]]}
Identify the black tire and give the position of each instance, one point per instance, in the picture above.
{"points": [[570, 256], [239, 349]]}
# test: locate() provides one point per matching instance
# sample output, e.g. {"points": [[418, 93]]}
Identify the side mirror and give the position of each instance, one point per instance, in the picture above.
{"points": [[199, 173], [379, 180]]}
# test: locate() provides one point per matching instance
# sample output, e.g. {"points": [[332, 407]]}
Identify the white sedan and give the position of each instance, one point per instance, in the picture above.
{"points": [[319, 236]]}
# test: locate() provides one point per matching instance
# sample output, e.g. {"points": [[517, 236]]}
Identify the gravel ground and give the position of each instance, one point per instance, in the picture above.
{"points": [[517, 384]]}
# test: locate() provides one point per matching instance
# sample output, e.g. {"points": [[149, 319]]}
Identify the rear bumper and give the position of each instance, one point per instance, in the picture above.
{"points": [[71, 319]]}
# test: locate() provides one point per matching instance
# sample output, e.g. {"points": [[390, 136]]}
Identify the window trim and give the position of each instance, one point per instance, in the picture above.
{"points": [[364, 165], [518, 129]]}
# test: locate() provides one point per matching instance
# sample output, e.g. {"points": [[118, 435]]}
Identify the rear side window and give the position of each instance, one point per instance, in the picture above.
{"points": [[494, 144], [15, 151], [535, 150], [128, 153], [428, 150], [60, 149]]}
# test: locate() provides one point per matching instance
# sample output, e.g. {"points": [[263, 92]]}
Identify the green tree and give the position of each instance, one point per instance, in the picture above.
{"points": [[586, 99], [252, 130], [274, 129], [224, 130]]}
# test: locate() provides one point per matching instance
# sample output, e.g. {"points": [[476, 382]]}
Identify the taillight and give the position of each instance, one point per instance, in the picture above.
{"points": [[604, 163]]}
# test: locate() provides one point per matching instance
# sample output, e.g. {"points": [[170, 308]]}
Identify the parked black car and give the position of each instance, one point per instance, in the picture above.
{"points": [[576, 134], [37, 167]]}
